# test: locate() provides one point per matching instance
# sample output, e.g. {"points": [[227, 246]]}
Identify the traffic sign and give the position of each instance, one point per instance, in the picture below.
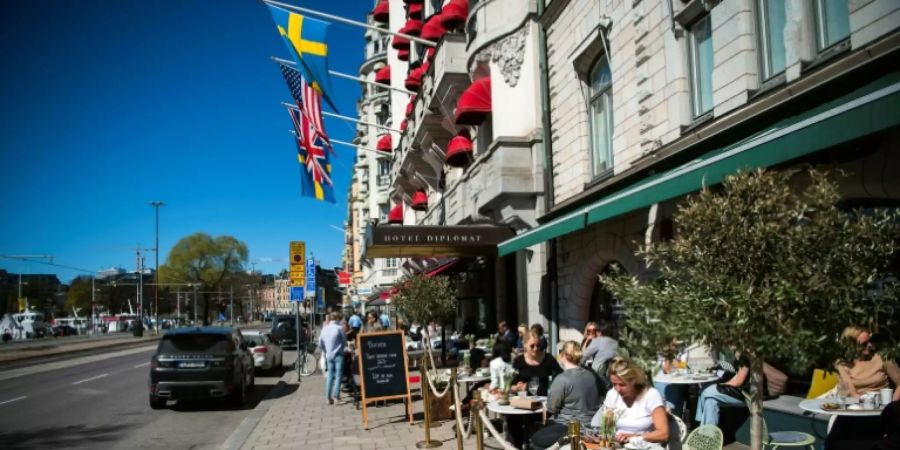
{"points": [[298, 263], [311, 275], [298, 276], [297, 293]]}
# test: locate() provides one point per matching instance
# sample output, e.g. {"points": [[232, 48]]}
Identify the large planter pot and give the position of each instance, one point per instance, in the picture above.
{"points": [[440, 407]]}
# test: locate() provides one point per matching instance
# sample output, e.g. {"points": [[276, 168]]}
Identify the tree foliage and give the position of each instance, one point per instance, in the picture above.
{"points": [[766, 270], [79, 296], [422, 299], [205, 260]]}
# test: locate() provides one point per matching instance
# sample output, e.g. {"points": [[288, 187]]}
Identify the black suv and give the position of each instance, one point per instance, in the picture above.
{"points": [[285, 332], [200, 363]]}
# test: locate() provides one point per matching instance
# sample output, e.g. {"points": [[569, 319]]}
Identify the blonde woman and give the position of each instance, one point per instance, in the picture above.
{"points": [[644, 413], [576, 392], [590, 333], [867, 371]]}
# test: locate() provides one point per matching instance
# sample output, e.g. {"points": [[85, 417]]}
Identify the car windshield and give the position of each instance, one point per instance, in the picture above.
{"points": [[254, 341], [197, 342]]}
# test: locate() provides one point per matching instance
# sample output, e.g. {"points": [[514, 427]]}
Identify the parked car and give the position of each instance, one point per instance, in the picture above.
{"points": [[201, 363], [64, 330], [267, 355], [284, 332]]}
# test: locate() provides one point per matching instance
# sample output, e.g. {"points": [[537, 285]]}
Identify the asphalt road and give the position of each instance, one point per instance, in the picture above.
{"points": [[103, 404]]}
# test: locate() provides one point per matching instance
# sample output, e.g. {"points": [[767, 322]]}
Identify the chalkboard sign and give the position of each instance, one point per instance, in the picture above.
{"points": [[383, 368]]}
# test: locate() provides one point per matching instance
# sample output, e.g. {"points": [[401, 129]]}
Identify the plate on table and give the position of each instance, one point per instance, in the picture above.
{"points": [[828, 406]]}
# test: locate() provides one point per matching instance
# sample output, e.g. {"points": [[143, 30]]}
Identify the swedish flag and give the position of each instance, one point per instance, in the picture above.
{"points": [[306, 39]]}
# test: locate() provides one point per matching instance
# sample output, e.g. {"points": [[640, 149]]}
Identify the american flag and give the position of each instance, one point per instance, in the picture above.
{"points": [[308, 100], [312, 155]]}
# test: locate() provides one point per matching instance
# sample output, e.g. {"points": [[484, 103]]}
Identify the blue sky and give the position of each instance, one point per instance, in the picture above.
{"points": [[107, 105]]}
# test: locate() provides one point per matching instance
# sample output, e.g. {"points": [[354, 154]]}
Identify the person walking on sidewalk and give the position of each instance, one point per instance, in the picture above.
{"points": [[332, 342]]}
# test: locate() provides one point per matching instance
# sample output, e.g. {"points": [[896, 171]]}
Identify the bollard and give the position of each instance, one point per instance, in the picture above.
{"points": [[479, 431], [427, 443], [459, 434], [575, 435]]}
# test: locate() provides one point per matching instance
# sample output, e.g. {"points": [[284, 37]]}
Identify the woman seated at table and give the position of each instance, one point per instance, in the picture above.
{"points": [[574, 396], [735, 381], [674, 394], [590, 333], [644, 412], [534, 365], [501, 355], [867, 371]]}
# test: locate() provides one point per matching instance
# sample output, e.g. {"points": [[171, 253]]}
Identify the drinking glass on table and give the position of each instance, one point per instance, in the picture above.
{"points": [[533, 385]]}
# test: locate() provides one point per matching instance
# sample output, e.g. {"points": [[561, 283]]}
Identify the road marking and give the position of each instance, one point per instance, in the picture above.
{"points": [[14, 400], [142, 365], [90, 379]]}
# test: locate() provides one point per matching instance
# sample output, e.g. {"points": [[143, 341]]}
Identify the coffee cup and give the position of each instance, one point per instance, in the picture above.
{"points": [[886, 395], [868, 401], [522, 394]]}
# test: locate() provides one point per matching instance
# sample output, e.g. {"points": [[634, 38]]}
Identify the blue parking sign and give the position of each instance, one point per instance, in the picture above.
{"points": [[297, 293], [311, 275]]}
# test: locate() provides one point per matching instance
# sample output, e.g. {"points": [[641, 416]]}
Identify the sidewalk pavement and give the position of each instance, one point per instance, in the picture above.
{"points": [[295, 415]]}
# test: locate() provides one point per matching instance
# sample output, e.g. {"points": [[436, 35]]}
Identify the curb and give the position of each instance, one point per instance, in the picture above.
{"points": [[248, 425]]}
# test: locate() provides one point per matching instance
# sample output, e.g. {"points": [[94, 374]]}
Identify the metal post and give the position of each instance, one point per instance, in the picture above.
{"points": [[301, 346], [231, 303], [426, 403], [93, 307], [459, 434], [195, 305], [178, 303], [479, 430], [575, 435], [156, 205]]}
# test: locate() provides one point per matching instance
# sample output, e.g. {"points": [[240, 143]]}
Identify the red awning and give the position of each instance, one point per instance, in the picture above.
{"points": [[382, 11], [415, 11], [414, 80], [403, 125], [419, 201], [455, 14], [385, 143], [441, 268], [459, 150], [433, 30], [475, 103], [400, 43], [413, 27], [403, 54], [383, 75], [409, 106], [429, 54], [396, 214]]}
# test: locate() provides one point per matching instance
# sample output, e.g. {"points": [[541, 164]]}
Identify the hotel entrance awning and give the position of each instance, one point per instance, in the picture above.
{"points": [[403, 241], [869, 109]]}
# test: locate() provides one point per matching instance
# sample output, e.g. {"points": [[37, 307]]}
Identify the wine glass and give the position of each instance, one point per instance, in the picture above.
{"points": [[533, 384]]}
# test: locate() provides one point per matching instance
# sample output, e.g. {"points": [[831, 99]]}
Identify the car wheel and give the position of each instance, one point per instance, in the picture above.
{"points": [[157, 402], [237, 399]]}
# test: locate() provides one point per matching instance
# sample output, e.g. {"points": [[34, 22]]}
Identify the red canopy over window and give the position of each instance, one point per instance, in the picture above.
{"points": [[414, 80], [475, 103], [396, 214], [400, 43], [433, 30], [383, 75], [420, 201], [429, 54], [409, 106], [455, 14], [403, 54], [403, 125], [382, 11], [413, 27], [415, 11], [385, 143], [459, 150]]}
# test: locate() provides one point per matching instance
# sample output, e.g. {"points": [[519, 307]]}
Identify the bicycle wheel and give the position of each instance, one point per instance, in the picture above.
{"points": [[309, 363]]}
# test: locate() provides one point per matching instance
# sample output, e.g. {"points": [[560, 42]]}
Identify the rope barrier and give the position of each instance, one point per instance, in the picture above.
{"points": [[458, 413], [428, 376], [496, 434]]}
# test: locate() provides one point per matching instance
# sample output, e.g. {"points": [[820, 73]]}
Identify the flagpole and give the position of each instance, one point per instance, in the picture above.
{"points": [[348, 119], [293, 65], [348, 144], [313, 12]]}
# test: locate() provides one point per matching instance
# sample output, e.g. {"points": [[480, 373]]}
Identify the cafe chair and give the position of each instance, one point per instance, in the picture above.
{"points": [[677, 432], [704, 437], [779, 439], [822, 383]]}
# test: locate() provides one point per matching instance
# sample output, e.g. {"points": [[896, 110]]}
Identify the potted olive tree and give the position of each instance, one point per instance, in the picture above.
{"points": [[770, 266]]}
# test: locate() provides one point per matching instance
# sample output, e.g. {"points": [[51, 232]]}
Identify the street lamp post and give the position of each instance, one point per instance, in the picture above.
{"points": [[156, 205]]}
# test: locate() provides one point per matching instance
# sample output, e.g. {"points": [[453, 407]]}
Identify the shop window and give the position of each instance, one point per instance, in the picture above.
{"points": [[383, 114], [392, 263], [771, 16], [832, 22], [601, 117], [700, 61]]}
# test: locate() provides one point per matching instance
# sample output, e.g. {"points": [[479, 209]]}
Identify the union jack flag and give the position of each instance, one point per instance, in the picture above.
{"points": [[308, 100], [315, 179]]}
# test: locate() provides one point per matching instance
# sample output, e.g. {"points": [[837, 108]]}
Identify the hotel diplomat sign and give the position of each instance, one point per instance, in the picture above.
{"points": [[385, 241]]}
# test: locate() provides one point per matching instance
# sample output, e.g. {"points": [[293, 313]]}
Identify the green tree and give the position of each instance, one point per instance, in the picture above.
{"points": [[422, 299], [79, 296], [766, 270], [210, 262]]}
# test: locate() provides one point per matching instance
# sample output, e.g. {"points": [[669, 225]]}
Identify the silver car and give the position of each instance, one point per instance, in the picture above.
{"points": [[267, 355]]}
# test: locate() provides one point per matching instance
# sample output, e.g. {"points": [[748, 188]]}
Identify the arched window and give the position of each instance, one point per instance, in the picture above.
{"points": [[605, 307]]}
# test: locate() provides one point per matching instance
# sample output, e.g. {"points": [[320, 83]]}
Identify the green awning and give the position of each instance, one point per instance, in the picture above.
{"points": [[867, 110]]}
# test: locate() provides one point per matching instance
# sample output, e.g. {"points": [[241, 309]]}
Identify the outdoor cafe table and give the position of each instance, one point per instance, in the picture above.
{"points": [[509, 410], [814, 405], [468, 379], [685, 378]]}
